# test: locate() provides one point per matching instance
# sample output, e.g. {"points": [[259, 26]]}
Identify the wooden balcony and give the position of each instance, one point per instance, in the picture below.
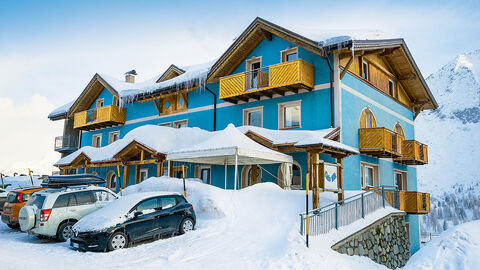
{"points": [[413, 153], [99, 118], [380, 142], [276, 79], [412, 202]]}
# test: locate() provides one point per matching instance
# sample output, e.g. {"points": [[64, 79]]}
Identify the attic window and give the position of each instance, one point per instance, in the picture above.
{"points": [[391, 88], [289, 55], [365, 70], [100, 103]]}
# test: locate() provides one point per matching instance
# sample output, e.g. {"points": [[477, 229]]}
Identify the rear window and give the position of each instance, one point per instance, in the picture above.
{"points": [[12, 197], [168, 202], [103, 196], [37, 200], [62, 201]]}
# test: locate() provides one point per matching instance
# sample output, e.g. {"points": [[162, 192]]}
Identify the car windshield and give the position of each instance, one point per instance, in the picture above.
{"points": [[37, 200], [12, 197]]}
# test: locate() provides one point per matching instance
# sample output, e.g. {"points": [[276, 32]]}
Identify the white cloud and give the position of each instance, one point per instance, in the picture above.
{"points": [[27, 136]]}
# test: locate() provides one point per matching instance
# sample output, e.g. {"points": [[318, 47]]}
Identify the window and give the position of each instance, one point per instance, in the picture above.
{"points": [[168, 202], [369, 175], [290, 55], [391, 88], [84, 197], [401, 180], [203, 172], [167, 124], [113, 136], [102, 196], [112, 180], [289, 115], [97, 140], [398, 129], [180, 124], [148, 206], [296, 176], [62, 201], [367, 120], [365, 70], [143, 175], [251, 175], [253, 116], [253, 72], [100, 102]]}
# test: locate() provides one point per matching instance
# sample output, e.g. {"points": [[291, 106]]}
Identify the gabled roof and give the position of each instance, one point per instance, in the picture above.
{"points": [[134, 148], [171, 72]]}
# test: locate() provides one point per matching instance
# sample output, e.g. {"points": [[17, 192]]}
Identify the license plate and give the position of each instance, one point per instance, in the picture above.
{"points": [[76, 245]]}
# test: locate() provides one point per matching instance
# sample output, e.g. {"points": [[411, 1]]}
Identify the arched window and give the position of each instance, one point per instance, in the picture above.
{"points": [[367, 120], [112, 180], [398, 129], [296, 176], [251, 175]]}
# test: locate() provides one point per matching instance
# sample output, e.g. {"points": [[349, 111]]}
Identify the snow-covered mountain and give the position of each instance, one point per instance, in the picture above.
{"points": [[452, 134]]}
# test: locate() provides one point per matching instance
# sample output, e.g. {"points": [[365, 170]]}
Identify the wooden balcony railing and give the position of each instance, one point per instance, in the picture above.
{"points": [[380, 142], [412, 202], [276, 79], [413, 153], [99, 118]]}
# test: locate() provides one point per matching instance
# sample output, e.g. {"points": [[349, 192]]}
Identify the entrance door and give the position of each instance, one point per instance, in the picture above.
{"points": [[253, 69]]}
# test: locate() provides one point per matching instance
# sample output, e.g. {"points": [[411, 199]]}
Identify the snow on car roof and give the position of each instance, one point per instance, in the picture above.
{"points": [[115, 212]]}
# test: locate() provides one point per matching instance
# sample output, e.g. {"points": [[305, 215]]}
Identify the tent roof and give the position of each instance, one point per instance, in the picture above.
{"points": [[223, 145]]}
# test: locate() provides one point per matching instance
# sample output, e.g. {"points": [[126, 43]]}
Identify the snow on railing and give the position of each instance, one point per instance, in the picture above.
{"points": [[342, 213]]}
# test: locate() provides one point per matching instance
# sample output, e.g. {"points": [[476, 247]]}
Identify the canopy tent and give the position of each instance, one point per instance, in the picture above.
{"points": [[229, 147]]}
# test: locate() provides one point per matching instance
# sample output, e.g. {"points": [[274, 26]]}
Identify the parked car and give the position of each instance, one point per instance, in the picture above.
{"points": [[134, 218], [52, 213], [16, 199], [3, 198]]}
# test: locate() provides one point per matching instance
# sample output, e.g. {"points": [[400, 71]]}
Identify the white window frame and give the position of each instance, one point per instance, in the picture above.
{"points": [[179, 121], [248, 69], [284, 53], [165, 124], [98, 101], [404, 179], [281, 107], [144, 170], [365, 71], [393, 88], [376, 169], [249, 110], [198, 172], [110, 136], [94, 140]]}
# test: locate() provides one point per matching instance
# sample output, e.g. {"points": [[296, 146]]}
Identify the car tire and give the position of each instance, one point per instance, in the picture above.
{"points": [[64, 231], [118, 240], [187, 225], [14, 226]]}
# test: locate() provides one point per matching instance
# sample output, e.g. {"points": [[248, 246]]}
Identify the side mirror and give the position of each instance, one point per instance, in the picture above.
{"points": [[137, 214]]}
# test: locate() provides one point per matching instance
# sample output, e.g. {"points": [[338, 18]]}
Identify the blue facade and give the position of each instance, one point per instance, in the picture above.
{"points": [[315, 114]]}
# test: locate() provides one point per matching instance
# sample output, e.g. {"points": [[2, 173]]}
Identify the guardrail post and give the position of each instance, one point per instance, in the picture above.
{"points": [[383, 196], [363, 210], [336, 216]]}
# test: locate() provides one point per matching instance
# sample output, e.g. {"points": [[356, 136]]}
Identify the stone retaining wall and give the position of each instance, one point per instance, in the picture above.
{"points": [[386, 242]]}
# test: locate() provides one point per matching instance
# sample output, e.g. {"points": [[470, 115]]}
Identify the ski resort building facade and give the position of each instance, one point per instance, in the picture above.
{"points": [[348, 101]]}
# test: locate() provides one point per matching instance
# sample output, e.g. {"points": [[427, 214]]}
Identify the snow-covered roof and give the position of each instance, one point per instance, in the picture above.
{"points": [[223, 145], [332, 37], [61, 111], [300, 137]]}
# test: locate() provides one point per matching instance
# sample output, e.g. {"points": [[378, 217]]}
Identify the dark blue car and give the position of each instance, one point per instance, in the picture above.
{"points": [[151, 218]]}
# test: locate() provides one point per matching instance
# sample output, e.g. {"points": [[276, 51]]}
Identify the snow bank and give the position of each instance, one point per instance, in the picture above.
{"points": [[113, 213], [456, 248]]}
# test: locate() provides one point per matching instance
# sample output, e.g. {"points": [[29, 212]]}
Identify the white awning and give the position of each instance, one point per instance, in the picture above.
{"points": [[224, 146]]}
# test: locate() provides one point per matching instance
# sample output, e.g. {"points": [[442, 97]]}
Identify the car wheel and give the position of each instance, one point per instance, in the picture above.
{"points": [[65, 231], [118, 240], [13, 226], [186, 225]]}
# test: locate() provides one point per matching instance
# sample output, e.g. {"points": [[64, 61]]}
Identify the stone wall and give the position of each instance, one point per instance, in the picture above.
{"points": [[386, 242]]}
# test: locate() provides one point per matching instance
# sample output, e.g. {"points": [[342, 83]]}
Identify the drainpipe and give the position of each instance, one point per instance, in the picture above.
{"points": [[214, 108], [332, 119]]}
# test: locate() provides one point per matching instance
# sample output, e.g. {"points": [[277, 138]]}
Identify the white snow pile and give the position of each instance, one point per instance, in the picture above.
{"points": [[456, 248], [62, 110], [113, 213], [16, 182], [299, 137]]}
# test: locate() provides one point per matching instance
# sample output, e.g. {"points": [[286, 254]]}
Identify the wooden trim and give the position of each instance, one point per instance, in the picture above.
{"points": [[137, 172], [126, 172]]}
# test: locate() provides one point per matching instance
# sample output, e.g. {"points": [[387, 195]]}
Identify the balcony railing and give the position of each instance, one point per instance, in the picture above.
{"points": [[412, 202], [266, 81], [99, 118], [66, 144], [380, 142], [413, 153]]}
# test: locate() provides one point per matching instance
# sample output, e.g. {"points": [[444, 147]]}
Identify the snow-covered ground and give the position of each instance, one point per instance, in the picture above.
{"points": [[254, 228], [456, 248]]}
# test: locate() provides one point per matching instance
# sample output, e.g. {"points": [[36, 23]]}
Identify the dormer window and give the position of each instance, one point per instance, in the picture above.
{"points": [[290, 55], [99, 102], [365, 70]]}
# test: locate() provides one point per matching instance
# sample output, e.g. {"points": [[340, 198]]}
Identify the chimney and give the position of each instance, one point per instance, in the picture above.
{"points": [[130, 76]]}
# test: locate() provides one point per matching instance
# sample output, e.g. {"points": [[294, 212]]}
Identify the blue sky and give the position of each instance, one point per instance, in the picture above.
{"points": [[49, 50]]}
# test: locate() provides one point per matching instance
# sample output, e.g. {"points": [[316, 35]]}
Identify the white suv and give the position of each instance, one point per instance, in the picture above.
{"points": [[52, 212]]}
